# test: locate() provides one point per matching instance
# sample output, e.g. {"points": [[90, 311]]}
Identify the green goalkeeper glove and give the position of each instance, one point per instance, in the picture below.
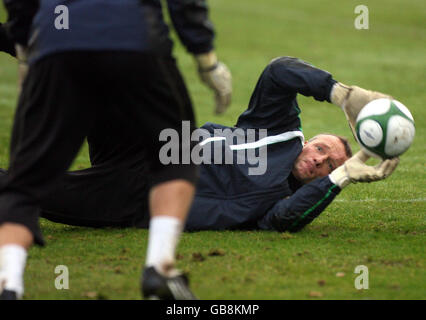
{"points": [[217, 76], [352, 99], [355, 170]]}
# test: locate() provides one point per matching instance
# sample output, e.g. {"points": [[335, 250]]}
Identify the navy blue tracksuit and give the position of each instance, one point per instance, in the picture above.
{"points": [[228, 198], [114, 191]]}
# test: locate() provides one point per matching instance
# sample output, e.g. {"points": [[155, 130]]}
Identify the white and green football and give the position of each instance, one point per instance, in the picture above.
{"points": [[385, 128]]}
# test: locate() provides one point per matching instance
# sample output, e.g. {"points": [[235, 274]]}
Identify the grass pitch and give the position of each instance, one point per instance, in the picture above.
{"points": [[380, 225]]}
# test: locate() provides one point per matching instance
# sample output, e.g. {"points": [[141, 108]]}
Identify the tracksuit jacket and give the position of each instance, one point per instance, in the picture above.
{"points": [[228, 197]]}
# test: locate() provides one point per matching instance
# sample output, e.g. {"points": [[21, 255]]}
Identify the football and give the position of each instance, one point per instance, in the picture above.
{"points": [[385, 128]]}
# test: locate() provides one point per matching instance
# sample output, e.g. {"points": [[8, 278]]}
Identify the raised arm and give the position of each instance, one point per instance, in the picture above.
{"points": [[195, 30], [293, 75], [273, 104]]}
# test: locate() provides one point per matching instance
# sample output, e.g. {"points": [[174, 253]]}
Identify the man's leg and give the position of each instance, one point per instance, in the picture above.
{"points": [[169, 204], [115, 187], [154, 94], [114, 196], [49, 128], [15, 240], [170, 200]]}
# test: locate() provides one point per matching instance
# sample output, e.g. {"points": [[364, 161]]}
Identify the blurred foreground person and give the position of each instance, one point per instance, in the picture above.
{"points": [[102, 55]]}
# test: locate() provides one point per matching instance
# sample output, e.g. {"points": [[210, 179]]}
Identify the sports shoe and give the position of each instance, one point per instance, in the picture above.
{"points": [[158, 287], [8, 295]]}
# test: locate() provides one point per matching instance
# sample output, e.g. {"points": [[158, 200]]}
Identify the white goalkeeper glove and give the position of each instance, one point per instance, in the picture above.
{"points": [[355, 170], [217, 76], [352, 99], [21, 55]]}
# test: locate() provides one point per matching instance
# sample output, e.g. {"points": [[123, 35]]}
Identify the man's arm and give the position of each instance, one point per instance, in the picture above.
{"points": [[293, 75], [293, 213], [273, 103], [20, 17], [195, 30], [190, 19], [307, 203]]}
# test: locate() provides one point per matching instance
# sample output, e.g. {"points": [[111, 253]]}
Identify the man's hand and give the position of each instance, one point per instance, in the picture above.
{"points": [[216, 76], [21, 55], [352, 99], [355, 170]]}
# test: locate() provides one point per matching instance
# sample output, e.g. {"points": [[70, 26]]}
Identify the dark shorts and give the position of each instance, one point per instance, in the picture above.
{"points": [[63, 101]]}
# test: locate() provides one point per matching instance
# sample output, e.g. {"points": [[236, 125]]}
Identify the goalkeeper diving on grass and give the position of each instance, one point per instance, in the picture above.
{"points": [[301, 179]]}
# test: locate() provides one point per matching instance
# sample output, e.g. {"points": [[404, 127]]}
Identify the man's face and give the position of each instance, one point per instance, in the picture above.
{"points": [[319, 157]]}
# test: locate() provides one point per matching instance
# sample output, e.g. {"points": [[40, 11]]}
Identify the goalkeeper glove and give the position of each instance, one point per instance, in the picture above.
{"points": [[352, 99], [355, 170], [217, 76]]}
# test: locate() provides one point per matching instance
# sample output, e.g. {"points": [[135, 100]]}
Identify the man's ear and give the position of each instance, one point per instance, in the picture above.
{"points": [[305, 142]]}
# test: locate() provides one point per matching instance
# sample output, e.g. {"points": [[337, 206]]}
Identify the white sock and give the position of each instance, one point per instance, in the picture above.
{"points": [[12, 265], [164, 234]]}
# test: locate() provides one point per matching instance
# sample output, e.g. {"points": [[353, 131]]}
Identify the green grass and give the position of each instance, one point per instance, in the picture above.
{"points": [[380, 225]]}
